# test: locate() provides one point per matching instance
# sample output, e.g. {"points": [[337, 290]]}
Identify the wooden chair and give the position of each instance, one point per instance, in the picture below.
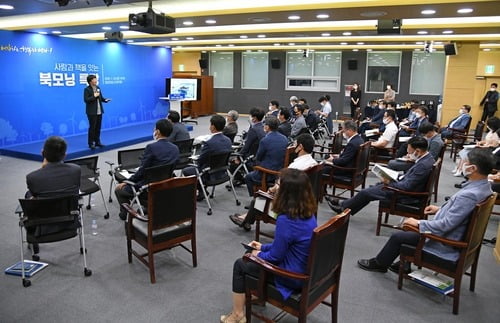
{"points": [[335, 147], [469, 247], [436, 183], [384, 155], [268, 175], [321, 279], [129, 160], [460, 136], [339, 176], [405, 203], [171, 220]]}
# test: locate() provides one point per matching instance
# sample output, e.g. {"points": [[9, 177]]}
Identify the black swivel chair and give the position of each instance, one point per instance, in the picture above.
{"points": [[128, 160]]}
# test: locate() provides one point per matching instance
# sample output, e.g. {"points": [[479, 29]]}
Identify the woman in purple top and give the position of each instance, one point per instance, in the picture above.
{"points": [[296, 206]]}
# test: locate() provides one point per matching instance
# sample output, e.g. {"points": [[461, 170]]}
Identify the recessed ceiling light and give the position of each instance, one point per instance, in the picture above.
{"points": [[417, 49], [106, 28], [343, 43], [422, 32], [210, 21], [323, 16], [42, 32], [231, 45], [174, 38], [486, 49], [294, 17], [218, 45], [428, 12], [360, 43], [178, 46], [355, 49], [447, 31], [368, 49], [298, 50], [325, 34], [465, 10], [419, 43], [243, 36], [438, 43], [130, 40], [189, 38], [124, 27], [56, 32], [291, 44], [248, 51], [347, 33], [187, 23], [261, 36], [260, 50], [276, 44], [6, 7], [214, 51]]}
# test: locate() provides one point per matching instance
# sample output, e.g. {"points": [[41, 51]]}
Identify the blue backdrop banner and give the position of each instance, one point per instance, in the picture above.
{"points": [[43, 78]]}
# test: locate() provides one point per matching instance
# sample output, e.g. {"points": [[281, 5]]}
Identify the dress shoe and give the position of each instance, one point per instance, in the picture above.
{"points": [[371, 265], [235, 218], [395, 267], [247, 207], [123, 215], [247, 226]]}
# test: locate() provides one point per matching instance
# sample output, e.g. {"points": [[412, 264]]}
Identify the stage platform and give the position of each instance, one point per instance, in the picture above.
{"points": [[78, 147]]}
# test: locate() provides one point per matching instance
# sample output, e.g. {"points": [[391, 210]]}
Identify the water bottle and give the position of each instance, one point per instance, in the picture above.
{"points": [[94, 227]]}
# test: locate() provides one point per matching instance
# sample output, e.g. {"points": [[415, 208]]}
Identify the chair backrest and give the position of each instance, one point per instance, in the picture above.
{"points": [[327, 251], [130, 158], [337, 142], [218, 162], [87, 164], [429, 186], [289, 156], [158, 173], [185, 151], [478, 132], [315, 173], [363, 158], [172, 202], [477, 227], [49, 210]]}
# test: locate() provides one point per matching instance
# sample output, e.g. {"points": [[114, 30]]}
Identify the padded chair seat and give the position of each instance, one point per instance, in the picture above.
{"points": [[427, 257], [346, 180], [163, 234], [88, 187], [57, 235]]}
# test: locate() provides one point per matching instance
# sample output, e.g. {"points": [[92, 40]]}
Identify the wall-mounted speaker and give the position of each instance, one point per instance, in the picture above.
{"points": [[275, 63], [389, 26], [203, 63], [352, 64], [113, 36], [450, 49]]}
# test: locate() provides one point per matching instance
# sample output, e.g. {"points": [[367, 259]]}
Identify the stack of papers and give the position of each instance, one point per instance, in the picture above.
{"points": [[385, 173], [371, 132], [440, 283]]}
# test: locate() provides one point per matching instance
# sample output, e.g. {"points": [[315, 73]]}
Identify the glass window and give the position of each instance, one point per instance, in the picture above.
{"points": [[254, 70], [313, 71], [383, 68], [221, 68], [427, 73]]}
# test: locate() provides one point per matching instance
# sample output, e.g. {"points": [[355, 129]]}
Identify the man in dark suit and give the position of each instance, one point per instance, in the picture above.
{"points": [[218, 143], [255, 133], [285, 128], [271, 153], [93, 98], [414, 180], [347, 158], [161, 152], [179, 131], [412, 129], [490, 102], [459, 122], [54, 179]]}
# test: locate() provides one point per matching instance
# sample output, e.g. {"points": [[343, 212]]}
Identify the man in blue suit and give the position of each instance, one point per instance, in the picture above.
{"points": [[271, 153], [459, 122], [179, 131], [161, 152], [414, 180], [412, 129], [255, 133], [218, 143], [450, 221]]}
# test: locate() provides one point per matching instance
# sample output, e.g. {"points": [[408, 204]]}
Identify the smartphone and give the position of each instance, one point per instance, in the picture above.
{"points": [[248, 247]]}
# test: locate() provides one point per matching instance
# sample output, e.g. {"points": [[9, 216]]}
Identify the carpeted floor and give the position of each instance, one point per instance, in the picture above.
{"points": [[121, 292]]}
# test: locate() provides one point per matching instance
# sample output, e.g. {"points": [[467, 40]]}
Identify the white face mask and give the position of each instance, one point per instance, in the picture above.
{"points": [[385, 121], [493, 89], [154, 136], [270, 108], [461, 111], [346, 136], [413, 156], [465, 170], [418, 115], [388, 87]]}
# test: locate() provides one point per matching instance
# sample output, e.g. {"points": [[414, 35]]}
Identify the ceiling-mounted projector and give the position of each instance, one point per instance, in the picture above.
{"points": [[151, 22]]}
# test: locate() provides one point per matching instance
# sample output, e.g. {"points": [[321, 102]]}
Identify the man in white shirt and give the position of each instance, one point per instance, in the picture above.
{"points": [[388, 137]]}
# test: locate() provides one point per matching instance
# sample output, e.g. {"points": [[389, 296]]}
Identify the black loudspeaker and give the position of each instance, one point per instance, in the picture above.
{"points": [[275, 63], [113, 36], [203, 63], [352, 64], [450, 49], [389, 26]]}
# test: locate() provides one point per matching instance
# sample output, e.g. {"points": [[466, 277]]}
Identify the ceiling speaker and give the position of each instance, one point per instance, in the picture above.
{"points": [[389, 26], [450, 49]]}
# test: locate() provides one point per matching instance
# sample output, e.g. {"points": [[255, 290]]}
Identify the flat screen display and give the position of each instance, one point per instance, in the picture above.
{"points": [[183, 88]]}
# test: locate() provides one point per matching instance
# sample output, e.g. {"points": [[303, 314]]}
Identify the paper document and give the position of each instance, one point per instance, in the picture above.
{"points": [[383, 173], [404, 139], [371, 132], [125, 173], [469, 146], [440, 283]]}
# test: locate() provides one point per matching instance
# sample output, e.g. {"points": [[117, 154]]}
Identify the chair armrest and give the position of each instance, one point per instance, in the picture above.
{"points": [[339, 167], [110, 163], [263, 194], [408, 193], [275, 270], [134, 213], [266, 170], [452, 243], [457, 130]]}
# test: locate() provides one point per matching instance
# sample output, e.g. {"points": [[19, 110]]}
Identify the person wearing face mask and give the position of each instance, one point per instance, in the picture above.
{"points": [[300, 122], [389, 94], [420, 117], [231, 128], [413, 181], [458, 123], [450, 220], [355, 98], [391, 130], [490, 141], [326, 111], [160, 152], [347, 158], [274, 108], [489, 102]]}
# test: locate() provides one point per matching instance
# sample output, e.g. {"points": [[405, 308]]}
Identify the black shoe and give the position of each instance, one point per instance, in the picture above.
{"points": [[99, 145], [371, 265], [247, 207], [247, 226], [395, 267], [333, 203], [235, 218], [200, 197], [123, 215]]}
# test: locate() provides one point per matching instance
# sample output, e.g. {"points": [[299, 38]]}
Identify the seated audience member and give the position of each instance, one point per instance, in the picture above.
{"points": [[310, 117], [160, 152], [296, 206], [231, 128], [347, 158], [217, 144], [391, 130], [412, 129], [300, 121], [459, 122], [179, 131], [490, 141], [54, 179], [274, 108], [270, 155], [303, 148], [435, 144], [377, 120], [414, 180], [285, 128], [450, 221], [302, 101], [255, 133], [370, 110], [293, 102], [326, 111]]}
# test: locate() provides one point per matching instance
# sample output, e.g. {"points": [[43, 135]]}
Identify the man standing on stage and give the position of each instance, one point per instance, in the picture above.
{"points": [[93, 98]]}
